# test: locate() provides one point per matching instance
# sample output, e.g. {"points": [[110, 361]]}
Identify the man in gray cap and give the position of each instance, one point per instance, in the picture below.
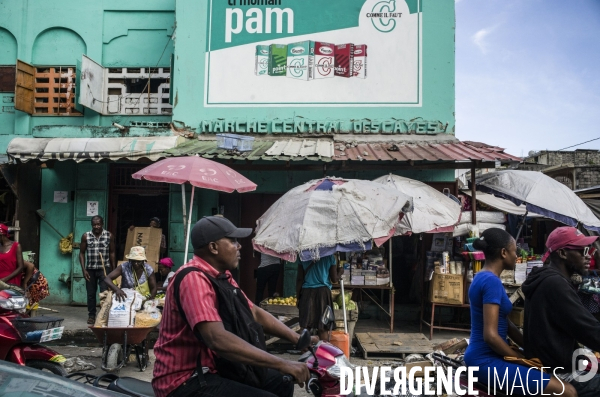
{"points": [[199, 352]]}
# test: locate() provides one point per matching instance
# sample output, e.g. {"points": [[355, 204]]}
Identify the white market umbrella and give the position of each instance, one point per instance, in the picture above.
{"points": [[433, 212], [541, 195], [329, 215]]}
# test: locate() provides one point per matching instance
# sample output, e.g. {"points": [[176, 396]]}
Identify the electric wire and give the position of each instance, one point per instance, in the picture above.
{"points": [[579, 144]]}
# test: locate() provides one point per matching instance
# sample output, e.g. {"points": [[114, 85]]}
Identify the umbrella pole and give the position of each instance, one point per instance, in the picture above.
{"points": [[183, 210], [522, 224], [344, 305], [189, 223], [390, 258]]}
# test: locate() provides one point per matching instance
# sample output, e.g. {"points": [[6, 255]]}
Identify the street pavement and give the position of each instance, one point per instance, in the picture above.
{"points": [[79, 341]]}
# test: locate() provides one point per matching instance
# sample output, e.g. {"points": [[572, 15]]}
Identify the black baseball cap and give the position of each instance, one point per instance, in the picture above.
{"points": [[213, 228]]}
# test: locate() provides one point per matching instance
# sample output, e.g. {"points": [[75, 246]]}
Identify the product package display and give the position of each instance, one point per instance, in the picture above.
{"points": [[324, 60], [360, 61], [344, 60], [311, 60], [277, 59], [300, 59], [261, 64]]}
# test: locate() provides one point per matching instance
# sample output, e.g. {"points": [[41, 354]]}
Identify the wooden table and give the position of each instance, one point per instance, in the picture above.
{"points": [[432, 325], [378, 301]]}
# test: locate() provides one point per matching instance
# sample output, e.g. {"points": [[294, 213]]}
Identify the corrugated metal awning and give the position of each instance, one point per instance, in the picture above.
{"points": [[326, 149], [421, 151], [96, 149]]}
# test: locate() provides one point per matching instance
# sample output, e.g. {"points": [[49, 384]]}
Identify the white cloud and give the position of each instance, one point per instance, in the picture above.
{"points": [[479, 39]]}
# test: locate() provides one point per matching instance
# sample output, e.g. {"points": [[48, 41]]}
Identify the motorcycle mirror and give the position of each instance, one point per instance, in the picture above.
{"points": [[304, 340], [328, 316]]}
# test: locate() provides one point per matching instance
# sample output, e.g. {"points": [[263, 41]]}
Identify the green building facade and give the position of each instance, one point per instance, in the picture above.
{"points": [[172, 74]]}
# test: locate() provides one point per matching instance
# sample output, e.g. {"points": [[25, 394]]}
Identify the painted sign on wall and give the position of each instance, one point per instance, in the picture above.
{"points": [[351, 53]]}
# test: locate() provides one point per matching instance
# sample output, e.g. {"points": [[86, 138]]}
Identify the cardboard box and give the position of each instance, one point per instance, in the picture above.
{"points": [[357, 280], [147, 237], [383, 280], [446, 288], [517, 316]]}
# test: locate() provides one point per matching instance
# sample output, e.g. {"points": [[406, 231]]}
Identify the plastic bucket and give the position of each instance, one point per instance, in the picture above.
{"points": [[341, 340]]}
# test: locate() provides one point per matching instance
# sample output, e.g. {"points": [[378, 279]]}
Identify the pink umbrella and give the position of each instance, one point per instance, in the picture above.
{"points": [[199, 172]]}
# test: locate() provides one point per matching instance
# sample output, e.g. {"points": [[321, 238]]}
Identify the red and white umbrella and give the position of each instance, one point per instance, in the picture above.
{"points": [[198, 172]]}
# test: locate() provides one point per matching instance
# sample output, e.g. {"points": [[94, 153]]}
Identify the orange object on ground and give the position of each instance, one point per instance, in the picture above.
{"points": [[341, 340]]}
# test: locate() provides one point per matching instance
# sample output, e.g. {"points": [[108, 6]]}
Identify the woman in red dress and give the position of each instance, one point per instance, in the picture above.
{"points": [[11, 258]]}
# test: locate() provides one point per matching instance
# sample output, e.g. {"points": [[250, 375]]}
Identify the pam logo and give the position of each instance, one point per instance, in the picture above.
{"points": [[326, 50], [357, 52], [297, 50], [264, 52], [383, 16]]}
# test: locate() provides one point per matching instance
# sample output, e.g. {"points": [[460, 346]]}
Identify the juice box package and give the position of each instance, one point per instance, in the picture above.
{"points": [[261, 64], [344, 60], [324, 61], [277, 59], [300, 57], [360, 61]]}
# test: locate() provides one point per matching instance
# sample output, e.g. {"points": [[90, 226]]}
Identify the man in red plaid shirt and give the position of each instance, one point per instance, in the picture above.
{"points": [[216, 252]]}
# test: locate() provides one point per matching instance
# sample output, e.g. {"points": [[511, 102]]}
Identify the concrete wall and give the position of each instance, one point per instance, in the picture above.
{"points": [[134, 33], [576, 157]]}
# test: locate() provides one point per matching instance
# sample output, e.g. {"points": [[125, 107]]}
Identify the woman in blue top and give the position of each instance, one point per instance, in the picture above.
{"points": [[490, 326], [313, 289]]}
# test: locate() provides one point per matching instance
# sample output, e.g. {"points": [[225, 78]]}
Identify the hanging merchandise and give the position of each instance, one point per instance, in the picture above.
{"points": [[65, 245]]}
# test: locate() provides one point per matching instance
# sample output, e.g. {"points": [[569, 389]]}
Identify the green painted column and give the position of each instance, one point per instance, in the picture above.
{"points": [[290, 270]]}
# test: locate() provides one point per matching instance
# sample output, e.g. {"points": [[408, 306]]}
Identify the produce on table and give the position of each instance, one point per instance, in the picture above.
{"points": [[289, 301]]}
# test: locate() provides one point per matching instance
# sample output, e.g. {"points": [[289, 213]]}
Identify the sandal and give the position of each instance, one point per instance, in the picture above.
{"points": [[91, 320]]}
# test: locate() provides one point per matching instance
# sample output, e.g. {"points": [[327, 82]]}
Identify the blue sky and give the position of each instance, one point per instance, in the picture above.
{"points": [[528, 73]]}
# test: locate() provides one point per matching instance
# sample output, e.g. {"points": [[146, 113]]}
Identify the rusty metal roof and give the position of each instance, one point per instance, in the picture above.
{"points": [[325, 149], [422, 151]]}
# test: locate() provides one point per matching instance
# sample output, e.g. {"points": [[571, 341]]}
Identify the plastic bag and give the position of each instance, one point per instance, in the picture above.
{"points": [[122, 314]]}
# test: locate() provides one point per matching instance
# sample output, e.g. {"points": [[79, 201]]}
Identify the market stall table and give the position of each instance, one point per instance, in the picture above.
{"points": [[432, 325]]}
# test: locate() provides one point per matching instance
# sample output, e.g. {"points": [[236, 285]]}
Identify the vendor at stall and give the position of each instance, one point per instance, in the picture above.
{"points": [[135, 274], [165, 268]]}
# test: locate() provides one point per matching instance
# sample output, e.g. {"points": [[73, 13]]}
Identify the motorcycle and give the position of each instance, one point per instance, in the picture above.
{"points": [[325, 362], [20, 335]]}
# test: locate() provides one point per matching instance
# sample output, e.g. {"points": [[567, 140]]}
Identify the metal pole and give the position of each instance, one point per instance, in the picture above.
{"points": [[390, 259], [344, 305], [521, 227], [183, 209], [187, 240], [473, 196]]}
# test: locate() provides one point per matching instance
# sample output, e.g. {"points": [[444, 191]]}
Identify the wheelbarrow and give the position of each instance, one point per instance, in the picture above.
{"points": [[118, 344]]}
